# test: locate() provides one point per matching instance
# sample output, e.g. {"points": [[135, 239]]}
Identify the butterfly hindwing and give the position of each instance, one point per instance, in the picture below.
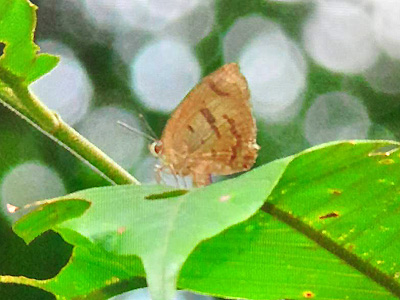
{"points": [[212, 131]]}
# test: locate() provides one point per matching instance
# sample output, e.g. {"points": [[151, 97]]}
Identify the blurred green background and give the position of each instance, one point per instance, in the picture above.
{"points": [[317, 70]]}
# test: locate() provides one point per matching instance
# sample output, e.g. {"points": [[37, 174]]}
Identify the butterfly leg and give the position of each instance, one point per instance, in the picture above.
{"points": [[201, 179], [158, 170], [185, 185], [173, 172]]}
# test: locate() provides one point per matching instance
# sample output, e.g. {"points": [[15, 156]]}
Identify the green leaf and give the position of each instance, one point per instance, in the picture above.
{"points": [[20, 58], [158, 224], [329, 230], [91, 273]]}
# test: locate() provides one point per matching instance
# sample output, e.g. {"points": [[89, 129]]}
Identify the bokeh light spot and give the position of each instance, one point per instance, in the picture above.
{"points": [[384, 75], [67, 88], [152, 15], [164, 72], [28, 182], [339, 36], [336, 116], [273, 66], [101, 128], [192, 27], [386, 24], [241, 33]]}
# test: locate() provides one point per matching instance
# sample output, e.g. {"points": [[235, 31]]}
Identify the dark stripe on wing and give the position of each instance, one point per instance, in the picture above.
{"points": [[215, 89], [210, 120], [237, 136]]}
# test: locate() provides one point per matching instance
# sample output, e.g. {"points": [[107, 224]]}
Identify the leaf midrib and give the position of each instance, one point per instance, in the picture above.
{"points": [[330, 245]]}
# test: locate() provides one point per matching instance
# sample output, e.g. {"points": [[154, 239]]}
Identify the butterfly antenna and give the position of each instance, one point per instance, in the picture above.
{"points": [[144, 121], [137, 131]]}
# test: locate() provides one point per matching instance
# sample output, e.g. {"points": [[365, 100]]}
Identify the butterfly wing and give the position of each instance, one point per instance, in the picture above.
{"points": [[212, 131]]}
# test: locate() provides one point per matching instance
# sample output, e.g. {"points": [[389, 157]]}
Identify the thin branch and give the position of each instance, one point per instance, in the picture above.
{"points": [[50, 124]]}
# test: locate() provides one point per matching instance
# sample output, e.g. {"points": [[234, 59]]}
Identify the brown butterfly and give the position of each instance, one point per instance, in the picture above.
{"points": [[212, 131]]}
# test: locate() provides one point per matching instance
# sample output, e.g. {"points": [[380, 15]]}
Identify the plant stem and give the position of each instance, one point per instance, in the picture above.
{"points": [[68, 136], [45, 120]]}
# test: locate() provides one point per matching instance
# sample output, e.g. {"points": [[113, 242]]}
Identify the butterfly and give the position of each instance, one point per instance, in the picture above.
{"points": [[212, 131]]}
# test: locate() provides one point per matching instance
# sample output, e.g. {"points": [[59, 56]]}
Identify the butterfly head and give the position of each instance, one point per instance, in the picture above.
{"points": [[156, 148]]}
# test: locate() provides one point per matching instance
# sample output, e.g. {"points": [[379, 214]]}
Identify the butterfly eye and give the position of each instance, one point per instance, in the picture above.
{"points": [[156, 148]]}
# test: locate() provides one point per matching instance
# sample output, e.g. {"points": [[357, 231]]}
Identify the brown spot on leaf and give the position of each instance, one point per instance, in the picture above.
{"points": [[351, 247], [190, 128], [335, 192], [330, 215], [308, 294]]}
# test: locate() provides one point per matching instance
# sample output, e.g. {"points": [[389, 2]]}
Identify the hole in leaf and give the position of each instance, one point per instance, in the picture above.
{"points": [[165, 195], [330, 215], [2, 47], [384, 151]]}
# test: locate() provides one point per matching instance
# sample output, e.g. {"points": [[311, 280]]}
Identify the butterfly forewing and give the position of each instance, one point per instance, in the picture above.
{"points": [[212, 131]]}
